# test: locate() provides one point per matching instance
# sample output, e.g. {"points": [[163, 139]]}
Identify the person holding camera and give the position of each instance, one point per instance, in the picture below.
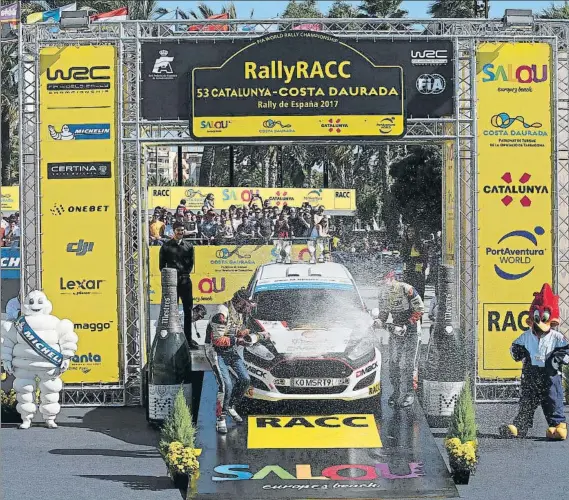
{"points": [[225, 333]]}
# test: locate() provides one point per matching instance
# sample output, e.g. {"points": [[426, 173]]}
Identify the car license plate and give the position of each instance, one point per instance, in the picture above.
{"points": [[312, 382]]}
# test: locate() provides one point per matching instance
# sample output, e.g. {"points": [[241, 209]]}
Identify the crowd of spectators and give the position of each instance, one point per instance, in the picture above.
{"points": [[10, 230], [255, 223]]}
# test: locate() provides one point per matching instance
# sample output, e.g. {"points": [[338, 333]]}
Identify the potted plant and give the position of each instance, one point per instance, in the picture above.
{"points": [[9, 413], [177, 444], [461, 443]]}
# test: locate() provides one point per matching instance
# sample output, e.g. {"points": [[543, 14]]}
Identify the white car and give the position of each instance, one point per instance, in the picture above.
{"points": [[321, 344]]}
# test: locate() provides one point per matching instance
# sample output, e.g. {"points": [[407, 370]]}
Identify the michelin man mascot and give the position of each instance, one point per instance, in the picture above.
{"points": [[38, 345], [542, 352]]}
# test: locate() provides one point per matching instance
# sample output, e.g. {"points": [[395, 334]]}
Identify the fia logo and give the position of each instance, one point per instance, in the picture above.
{"points": [[162, 69], [80, 248]]}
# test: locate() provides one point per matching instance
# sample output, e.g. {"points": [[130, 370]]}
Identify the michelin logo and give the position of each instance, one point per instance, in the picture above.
{"points": [[81, 132]]}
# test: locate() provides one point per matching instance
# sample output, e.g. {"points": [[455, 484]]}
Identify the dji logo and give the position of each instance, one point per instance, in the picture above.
{"points": [[80, 248]]}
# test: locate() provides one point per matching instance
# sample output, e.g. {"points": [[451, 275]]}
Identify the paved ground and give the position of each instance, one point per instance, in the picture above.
{"points": [[110, 454], [106, 453]]}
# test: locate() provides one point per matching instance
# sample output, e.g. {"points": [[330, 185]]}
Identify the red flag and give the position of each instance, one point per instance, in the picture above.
{"points": [[114, 15], [308, 27], [211, 27]]}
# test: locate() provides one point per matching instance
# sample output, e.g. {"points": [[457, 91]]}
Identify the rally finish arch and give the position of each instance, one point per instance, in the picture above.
{"points": [[504, 238]]}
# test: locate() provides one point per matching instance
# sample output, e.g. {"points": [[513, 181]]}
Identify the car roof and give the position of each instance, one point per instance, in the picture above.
{"points": [[327, 271]]}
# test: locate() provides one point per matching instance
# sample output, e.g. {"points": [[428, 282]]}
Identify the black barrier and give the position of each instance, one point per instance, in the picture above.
{"points": [[427, 66]]}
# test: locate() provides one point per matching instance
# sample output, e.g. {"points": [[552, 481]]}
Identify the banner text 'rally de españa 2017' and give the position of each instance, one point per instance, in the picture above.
{"points": [[79, 212], [515, 167]]}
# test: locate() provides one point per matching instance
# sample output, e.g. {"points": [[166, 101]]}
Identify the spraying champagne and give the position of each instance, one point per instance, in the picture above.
{"points": [[170, 362]]}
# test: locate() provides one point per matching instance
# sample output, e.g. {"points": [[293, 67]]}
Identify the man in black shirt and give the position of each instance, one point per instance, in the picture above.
{"points": [[179, 254]]}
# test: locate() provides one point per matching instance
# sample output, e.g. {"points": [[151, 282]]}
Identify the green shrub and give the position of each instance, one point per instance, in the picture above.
{"points": [[178, 426], [463, 421]]}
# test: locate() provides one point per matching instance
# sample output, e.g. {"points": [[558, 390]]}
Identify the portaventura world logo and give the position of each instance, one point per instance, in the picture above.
{"points": [[512, 255]]}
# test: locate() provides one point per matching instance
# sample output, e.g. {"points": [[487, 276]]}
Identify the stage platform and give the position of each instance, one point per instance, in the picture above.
{"points": [[319, 452]]}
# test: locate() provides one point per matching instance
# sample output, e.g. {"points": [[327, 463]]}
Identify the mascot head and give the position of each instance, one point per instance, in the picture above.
{"points": [[36, 303], [544, 310]]}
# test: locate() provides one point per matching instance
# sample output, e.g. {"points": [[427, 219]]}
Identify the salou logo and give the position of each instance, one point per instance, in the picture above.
{"points": [[429, 57], [162, 69], [431, 84], [526, 73], [215, 127], [515, 253], [80, 131], [519, 187]]}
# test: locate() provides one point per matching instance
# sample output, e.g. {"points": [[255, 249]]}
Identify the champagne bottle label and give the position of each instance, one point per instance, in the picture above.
{"points": [[161, 399]]}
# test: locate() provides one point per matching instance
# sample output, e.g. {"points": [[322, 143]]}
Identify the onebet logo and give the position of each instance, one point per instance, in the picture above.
{"points": [[330, 431]]}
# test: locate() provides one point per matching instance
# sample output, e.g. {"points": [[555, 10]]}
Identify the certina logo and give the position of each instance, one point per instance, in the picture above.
{"points": [[80, 132], [79, 78], [431, 84], [515, 252], [93, 327], [521, 187], [58, 209], [83, 286], [429, 57], [215, 126], [79, 170], [80, 248], [334, 125], [162, 69]]}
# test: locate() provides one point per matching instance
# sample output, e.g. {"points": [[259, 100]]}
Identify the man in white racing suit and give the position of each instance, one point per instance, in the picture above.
{"points": [[406, 308], [225, 333]]}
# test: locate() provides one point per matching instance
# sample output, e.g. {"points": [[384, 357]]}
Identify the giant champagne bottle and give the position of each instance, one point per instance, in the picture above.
{"points": [[170, 363], [444, 370]]}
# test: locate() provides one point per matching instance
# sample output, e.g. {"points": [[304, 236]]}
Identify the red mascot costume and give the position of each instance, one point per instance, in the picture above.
{"points": [[542, 351]]}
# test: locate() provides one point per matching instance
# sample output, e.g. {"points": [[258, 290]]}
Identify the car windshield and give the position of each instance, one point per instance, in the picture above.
{"points": [[308, 305]]}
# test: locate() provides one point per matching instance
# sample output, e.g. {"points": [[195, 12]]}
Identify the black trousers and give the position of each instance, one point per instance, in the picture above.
{"points": [[402, 355], [185, 294], [416, 280]]}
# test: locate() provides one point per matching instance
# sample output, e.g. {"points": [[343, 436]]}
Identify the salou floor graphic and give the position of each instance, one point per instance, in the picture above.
{"points": [[342, 454]]}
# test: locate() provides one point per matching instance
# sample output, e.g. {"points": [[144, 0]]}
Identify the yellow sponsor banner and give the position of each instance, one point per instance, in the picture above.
{"points": [[515, 216], [10, 198], [329, 431], [335, 201], [79, 214], [449, 165], [323, 127], [220, 270]]}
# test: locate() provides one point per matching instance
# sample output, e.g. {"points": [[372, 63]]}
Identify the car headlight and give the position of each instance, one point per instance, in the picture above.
{"points": [[261, 351], [362, 351]]}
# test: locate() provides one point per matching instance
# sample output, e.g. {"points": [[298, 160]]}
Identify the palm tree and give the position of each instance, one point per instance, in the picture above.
{"points": [[383, 8], [555, 12], [457, 8]]}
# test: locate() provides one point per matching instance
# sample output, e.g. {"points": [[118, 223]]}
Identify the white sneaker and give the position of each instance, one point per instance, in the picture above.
{"points": [[235, 416], [221, 426]]}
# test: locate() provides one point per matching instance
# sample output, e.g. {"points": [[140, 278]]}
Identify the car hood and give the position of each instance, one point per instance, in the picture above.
{"points": [[307, 340]]}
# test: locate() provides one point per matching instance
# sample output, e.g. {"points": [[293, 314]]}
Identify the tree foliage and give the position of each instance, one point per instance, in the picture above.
{"points": [[463, 421], [342, 9], [302, 9], [179, 426], [382, 9], [555, 12]]}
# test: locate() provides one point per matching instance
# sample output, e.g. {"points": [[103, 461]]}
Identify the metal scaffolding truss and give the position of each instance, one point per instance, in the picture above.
{"points": [[135, 132]]}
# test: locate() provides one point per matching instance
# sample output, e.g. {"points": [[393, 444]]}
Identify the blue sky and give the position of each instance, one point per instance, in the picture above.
{"points": [[267, 9]]}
